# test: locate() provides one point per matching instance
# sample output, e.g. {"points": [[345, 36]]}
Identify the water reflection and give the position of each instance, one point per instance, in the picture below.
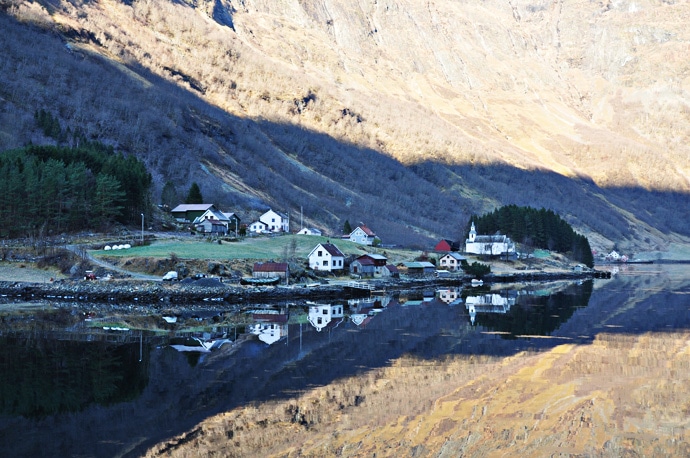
{"points": [[488, 303], [48, 374], [106, 393]]}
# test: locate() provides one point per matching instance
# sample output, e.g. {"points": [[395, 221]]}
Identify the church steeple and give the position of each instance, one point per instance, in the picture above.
{"points": [[473, 233]]}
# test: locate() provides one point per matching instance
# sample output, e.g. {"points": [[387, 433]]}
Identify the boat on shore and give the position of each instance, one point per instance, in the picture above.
{"points": [[260, 281]]}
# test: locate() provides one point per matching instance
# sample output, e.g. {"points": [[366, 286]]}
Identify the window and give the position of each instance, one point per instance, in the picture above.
{"points": [[319, 253], [325, 262]]}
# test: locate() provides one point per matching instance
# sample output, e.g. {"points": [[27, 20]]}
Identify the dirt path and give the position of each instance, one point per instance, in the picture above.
{"points": [[80, 251]]}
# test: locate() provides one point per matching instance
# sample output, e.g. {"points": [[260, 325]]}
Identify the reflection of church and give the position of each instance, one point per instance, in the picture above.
{"points": [[488, 303]]}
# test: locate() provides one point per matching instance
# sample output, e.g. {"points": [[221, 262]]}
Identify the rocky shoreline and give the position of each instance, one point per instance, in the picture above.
{"points": [[156, 293]]}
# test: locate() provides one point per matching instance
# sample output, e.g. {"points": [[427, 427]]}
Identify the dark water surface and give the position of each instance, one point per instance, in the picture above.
{"points": [[69, 387]]}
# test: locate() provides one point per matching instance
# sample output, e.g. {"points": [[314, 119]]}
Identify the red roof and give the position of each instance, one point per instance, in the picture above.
{"points": [[366, 230]]}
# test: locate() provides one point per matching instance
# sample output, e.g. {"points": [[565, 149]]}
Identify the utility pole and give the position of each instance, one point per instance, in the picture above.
{"points": [[142, 228]]}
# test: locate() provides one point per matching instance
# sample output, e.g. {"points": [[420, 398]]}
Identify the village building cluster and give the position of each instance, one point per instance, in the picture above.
{"points": [[327, 257]]}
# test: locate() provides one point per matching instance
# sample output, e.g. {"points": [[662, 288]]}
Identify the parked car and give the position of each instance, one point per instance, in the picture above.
{"points": [[170, 276]]}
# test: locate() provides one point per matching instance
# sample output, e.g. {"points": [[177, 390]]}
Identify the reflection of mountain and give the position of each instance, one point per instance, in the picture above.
{"points": [[179, 395]]}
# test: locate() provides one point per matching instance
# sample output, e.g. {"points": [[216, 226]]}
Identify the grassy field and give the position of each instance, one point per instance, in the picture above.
{"points": [[280, 247], [27, 272]]}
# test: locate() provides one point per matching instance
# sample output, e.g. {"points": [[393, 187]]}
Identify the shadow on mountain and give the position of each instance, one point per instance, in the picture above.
{"points": [[183, 138]]}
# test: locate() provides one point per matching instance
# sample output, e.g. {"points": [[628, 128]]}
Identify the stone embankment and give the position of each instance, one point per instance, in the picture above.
{"points": [[155, 293]]}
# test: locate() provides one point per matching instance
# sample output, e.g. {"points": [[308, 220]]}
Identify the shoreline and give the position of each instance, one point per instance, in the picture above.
{"points": [[160, 295]]}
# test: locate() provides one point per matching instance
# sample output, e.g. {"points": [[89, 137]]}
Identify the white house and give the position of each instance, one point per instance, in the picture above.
{"points": [[213, 220], [362, 235], [309, 231], [326, 256], [210, 226], [275, 221], [257, 227], [321, 315], [494, 245], [451, 261], [185, 213]]}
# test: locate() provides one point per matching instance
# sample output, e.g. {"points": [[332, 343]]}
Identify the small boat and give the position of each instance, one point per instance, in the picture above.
{"points": [[477, 282], [260, 281]]}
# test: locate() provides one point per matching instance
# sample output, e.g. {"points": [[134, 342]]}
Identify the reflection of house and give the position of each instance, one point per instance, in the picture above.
{"points": [[269, 332], [186, 213], [197, 344], [370, 265], [323, 315], [269, 326], [309, 231], [275, 221], [326, 256], [488, 244], [451, 261], [362, 235], [271, 269], [450, 296], [488, 303], [368, 305]]}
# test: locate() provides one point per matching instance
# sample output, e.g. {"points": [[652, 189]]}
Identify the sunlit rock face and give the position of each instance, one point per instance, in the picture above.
{"points": [[489, 102]]}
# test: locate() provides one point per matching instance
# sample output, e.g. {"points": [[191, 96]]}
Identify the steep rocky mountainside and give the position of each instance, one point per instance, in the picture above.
{"points": [[409, 116]]}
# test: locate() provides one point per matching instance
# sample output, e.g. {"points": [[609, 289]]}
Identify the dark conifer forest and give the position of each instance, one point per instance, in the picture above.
{"points": [[536, 229]]}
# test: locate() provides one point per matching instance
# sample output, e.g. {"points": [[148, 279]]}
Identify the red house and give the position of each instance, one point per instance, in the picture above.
{"points": [[446, 245]]}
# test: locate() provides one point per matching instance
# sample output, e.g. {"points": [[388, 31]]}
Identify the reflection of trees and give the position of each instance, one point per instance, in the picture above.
{"points": [[538, 315], [65, 376]]}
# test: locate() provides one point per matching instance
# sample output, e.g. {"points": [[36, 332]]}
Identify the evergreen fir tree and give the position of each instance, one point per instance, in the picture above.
{"points": [[194, 195]]}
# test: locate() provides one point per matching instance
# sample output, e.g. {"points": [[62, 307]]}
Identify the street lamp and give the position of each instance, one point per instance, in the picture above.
{"points": [[142, 228]]}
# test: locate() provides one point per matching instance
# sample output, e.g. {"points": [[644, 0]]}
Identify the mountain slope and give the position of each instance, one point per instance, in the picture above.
{"points": [[407, 116]]}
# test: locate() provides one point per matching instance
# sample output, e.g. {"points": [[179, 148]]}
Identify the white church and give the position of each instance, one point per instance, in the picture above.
{"points": [[491, 245]]}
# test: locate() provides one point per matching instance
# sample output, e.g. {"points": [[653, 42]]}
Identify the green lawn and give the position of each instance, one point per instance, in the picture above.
{"points": [[247, 248]]}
